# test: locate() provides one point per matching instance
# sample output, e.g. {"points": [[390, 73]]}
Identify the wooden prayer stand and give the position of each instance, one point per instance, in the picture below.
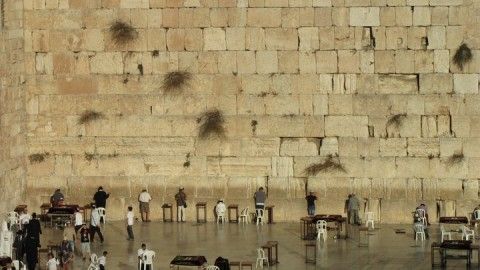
{"points": [[166, 206], [232, 207], [201, 206]]}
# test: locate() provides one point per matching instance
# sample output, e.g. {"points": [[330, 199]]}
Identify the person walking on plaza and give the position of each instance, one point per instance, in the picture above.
{"points": [[181, 199], [52, 263], [130, 219], [34, 229], [144, 199], [102, 260], [353, 207], [260, 198], [85, 241], [31, 250], [311, 198], [78, 220], [95, 224]]}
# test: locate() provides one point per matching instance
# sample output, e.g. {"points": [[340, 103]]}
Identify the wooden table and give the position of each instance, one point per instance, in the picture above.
{"points": [[195, 261], [201, 206], [454, 245], [312, 246], [230, 208], [270, 246], [453, 220], [307, 228], [164, 207], [269, 209]]}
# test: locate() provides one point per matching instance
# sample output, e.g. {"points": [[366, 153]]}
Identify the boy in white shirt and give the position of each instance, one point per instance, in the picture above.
{"points": [[52, 262], [130, 223], [102, 260], [78, 220]]}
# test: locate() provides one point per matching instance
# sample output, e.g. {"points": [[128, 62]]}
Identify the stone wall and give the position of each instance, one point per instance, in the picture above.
{"points": [[370, 81], [12, 106]]}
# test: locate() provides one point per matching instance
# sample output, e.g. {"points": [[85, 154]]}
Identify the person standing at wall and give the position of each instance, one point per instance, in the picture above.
{"points": [[353, 207], [311, 198], [144, 199], [346, 208], [181, 199], [260, 198], [130, 219], [100, 197]]}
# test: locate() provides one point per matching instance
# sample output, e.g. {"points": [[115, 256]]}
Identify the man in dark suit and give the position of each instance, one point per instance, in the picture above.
{"points": [[34, 229]]}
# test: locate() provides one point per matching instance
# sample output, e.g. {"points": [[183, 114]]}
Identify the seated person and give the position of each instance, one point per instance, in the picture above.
{"points": [[424, 208], [220, 209], [418, 221], [57, 198]]}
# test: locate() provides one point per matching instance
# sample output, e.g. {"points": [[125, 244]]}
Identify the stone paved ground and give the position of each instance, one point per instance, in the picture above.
{"points": [[387, 250]]}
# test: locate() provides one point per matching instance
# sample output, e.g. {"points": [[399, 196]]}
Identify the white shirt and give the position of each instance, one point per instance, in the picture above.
{"points": [[102, 260], [221, 208], [78, 219], [95, 219], [24, 218], [52, 264], [146, 255], [130, 218], [144, 197]]}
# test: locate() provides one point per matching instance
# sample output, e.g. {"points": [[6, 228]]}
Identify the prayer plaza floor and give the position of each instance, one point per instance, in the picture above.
{"points": [[236, 242]]}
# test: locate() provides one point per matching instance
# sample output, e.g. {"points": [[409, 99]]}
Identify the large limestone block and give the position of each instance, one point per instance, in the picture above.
{"points": [[445, 105], [397, 84], [329, 146], [264, 17], [175, 165], [244, 187], [436, 37], [214, 39], [436, 83], [392, 208], [108, 166], [290, 126], [309, 40], [282, 166], [267, 62], [364, 16], [346, 126], [77, 85], [391, 147], [465, 83], [423, 147], [281, 39], [286, 188], [238, 166], [299, 146], [412, 167], [235, 38], [449, 189], [379, 167], [107, 63], [443, 168]]}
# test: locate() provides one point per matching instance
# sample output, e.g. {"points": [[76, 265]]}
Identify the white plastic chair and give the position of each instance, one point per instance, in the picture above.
{"points": [[221, 216], [467, 233], [322, 230], [93, 262], [211, 267], [370, 219], [445, 233], [244, 218], [419, 231], [19, 265], [102, 214], [422, 216], [261, 258], [260, 218]]}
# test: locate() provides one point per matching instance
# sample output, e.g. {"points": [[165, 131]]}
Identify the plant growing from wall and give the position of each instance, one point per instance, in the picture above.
{"points": [[89, 156], [396, 121], [122, 32], [89, 116], [331, 164], [455, 159], [38, 157], [186, 164], [211, 124], [462, 56], [176, 81]]}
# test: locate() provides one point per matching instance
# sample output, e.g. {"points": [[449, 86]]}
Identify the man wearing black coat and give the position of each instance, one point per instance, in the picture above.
{"points": [[31, 249], [101, 197], [34, 229]]}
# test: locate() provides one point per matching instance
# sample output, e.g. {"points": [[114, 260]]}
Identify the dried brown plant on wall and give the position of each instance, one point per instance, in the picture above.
{"points": [[329, 165], [396, 121], [462, 56], [211, 124], [89, 116], [455, 159], [122, 32], [38, 157], [176, 81]]}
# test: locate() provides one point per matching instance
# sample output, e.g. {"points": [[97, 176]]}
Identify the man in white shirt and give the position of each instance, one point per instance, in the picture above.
{"points": [[220, 209], [130, 223], [52, 262], [95, 225], [102, 260], [24, 218], [144, 198], [78, 220], [145, 258]]}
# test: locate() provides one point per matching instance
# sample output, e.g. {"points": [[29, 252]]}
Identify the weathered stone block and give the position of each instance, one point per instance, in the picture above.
{"points": [[346, 126], [465, 83], [264, 17], [401, 84], [436, 83], [364, 16]]}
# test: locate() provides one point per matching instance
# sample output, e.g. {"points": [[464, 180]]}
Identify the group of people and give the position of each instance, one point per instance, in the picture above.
{"points": [[352, 206], [27, 239]]}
